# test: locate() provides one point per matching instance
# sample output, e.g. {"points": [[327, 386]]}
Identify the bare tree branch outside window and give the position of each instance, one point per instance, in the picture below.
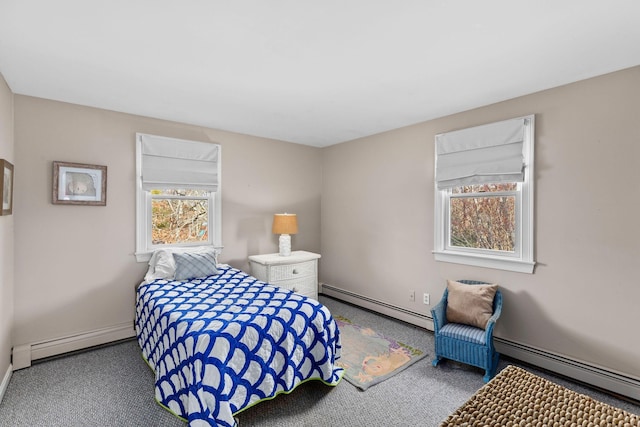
{"points": [[484, 217], [179, 216]]}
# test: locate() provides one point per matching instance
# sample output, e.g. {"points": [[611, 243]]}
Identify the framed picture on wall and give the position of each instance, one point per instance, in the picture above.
{"points": [[79, 184], [6, 187]]}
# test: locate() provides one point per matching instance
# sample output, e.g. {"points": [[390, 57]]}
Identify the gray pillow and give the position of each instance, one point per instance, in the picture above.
{"points": [[190, 265]]}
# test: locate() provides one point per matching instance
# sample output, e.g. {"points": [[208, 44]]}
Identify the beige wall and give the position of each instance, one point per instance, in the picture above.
{"points": [[6, 233], [582, 301], [75, 271]]}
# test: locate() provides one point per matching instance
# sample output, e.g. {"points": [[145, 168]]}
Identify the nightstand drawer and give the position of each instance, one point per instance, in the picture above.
{"points": [[292, 271], [306, 286]]}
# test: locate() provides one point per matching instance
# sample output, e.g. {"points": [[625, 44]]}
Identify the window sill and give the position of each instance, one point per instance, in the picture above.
{"points": [[508, 264]]}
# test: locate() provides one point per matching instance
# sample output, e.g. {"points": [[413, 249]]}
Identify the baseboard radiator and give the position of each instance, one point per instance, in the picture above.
{"points": [[587, 373], [23, 355], [400, 313]]}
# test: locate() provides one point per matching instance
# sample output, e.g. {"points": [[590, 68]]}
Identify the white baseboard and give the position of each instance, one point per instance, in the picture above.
{"points": [[587, 373], [25, 353], [5, 381]]}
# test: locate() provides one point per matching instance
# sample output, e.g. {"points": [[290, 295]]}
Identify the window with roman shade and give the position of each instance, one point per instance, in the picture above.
{"points": [[178, 193], [484, 195]]}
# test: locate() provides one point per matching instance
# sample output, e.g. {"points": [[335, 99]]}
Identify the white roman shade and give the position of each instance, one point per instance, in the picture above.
{"points": [[482, 154], [177, 163]]}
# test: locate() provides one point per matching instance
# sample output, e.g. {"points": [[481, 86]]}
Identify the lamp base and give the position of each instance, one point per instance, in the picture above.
{"points": [[285, 245]]}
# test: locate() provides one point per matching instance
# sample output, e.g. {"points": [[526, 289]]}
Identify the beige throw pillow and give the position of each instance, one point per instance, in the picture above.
{"points": [[470, 304]]}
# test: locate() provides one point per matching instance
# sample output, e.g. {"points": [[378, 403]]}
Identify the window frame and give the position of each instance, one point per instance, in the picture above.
{"points": [[522, 259], [144, 224]]}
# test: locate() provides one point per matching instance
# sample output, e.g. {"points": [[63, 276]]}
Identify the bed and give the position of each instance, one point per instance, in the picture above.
{"points": [[222, 342]]}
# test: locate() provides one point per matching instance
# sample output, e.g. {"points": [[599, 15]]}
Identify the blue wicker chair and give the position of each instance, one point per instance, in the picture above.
{"points": [[464, 343]]}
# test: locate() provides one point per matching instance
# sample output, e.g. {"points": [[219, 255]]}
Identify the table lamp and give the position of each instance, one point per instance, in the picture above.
{"points": [[285, 224]]}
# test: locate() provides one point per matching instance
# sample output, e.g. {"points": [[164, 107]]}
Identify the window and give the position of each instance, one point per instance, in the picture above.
{"points": [[484, 217], [484, 196], [179, 217], [178, 194]]}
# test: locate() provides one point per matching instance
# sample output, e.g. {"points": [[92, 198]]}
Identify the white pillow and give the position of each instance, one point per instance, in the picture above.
{"points": [[162, 265]]}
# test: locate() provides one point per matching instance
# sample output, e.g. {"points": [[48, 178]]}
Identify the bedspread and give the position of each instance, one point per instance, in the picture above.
{"points": [[220, 344]]}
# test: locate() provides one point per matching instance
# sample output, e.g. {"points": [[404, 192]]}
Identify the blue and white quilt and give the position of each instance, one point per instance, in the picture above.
{"points": [[222, 343]]}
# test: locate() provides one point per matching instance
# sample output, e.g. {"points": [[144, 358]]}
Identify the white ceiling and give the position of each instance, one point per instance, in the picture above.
{"points": [[311, 72]]}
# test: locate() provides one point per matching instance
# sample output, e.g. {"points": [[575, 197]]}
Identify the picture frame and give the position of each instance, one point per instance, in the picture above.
{"points": [[6, 187], [79, 184]]}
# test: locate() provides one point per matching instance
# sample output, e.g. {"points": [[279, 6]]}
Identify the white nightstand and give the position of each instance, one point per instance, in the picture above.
{"points": [[298, 272]]}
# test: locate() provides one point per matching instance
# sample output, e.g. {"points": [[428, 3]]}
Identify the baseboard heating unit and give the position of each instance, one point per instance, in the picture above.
{"points": [[24, 354], [587, 373], [419, 319]]}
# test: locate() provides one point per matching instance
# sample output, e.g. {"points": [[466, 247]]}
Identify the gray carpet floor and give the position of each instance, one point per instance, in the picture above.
{"points": [[113, 386]]}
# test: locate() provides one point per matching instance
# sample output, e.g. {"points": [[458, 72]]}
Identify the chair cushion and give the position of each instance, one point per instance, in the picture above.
{"points": [[470, 304], [464, 333]]}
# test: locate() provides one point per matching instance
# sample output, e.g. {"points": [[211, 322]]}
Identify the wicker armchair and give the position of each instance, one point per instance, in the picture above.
{"points": [[464, 343]]}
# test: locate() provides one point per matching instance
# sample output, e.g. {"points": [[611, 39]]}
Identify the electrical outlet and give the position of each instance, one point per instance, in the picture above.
{"points": [[425, 298], [412, 295]]}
